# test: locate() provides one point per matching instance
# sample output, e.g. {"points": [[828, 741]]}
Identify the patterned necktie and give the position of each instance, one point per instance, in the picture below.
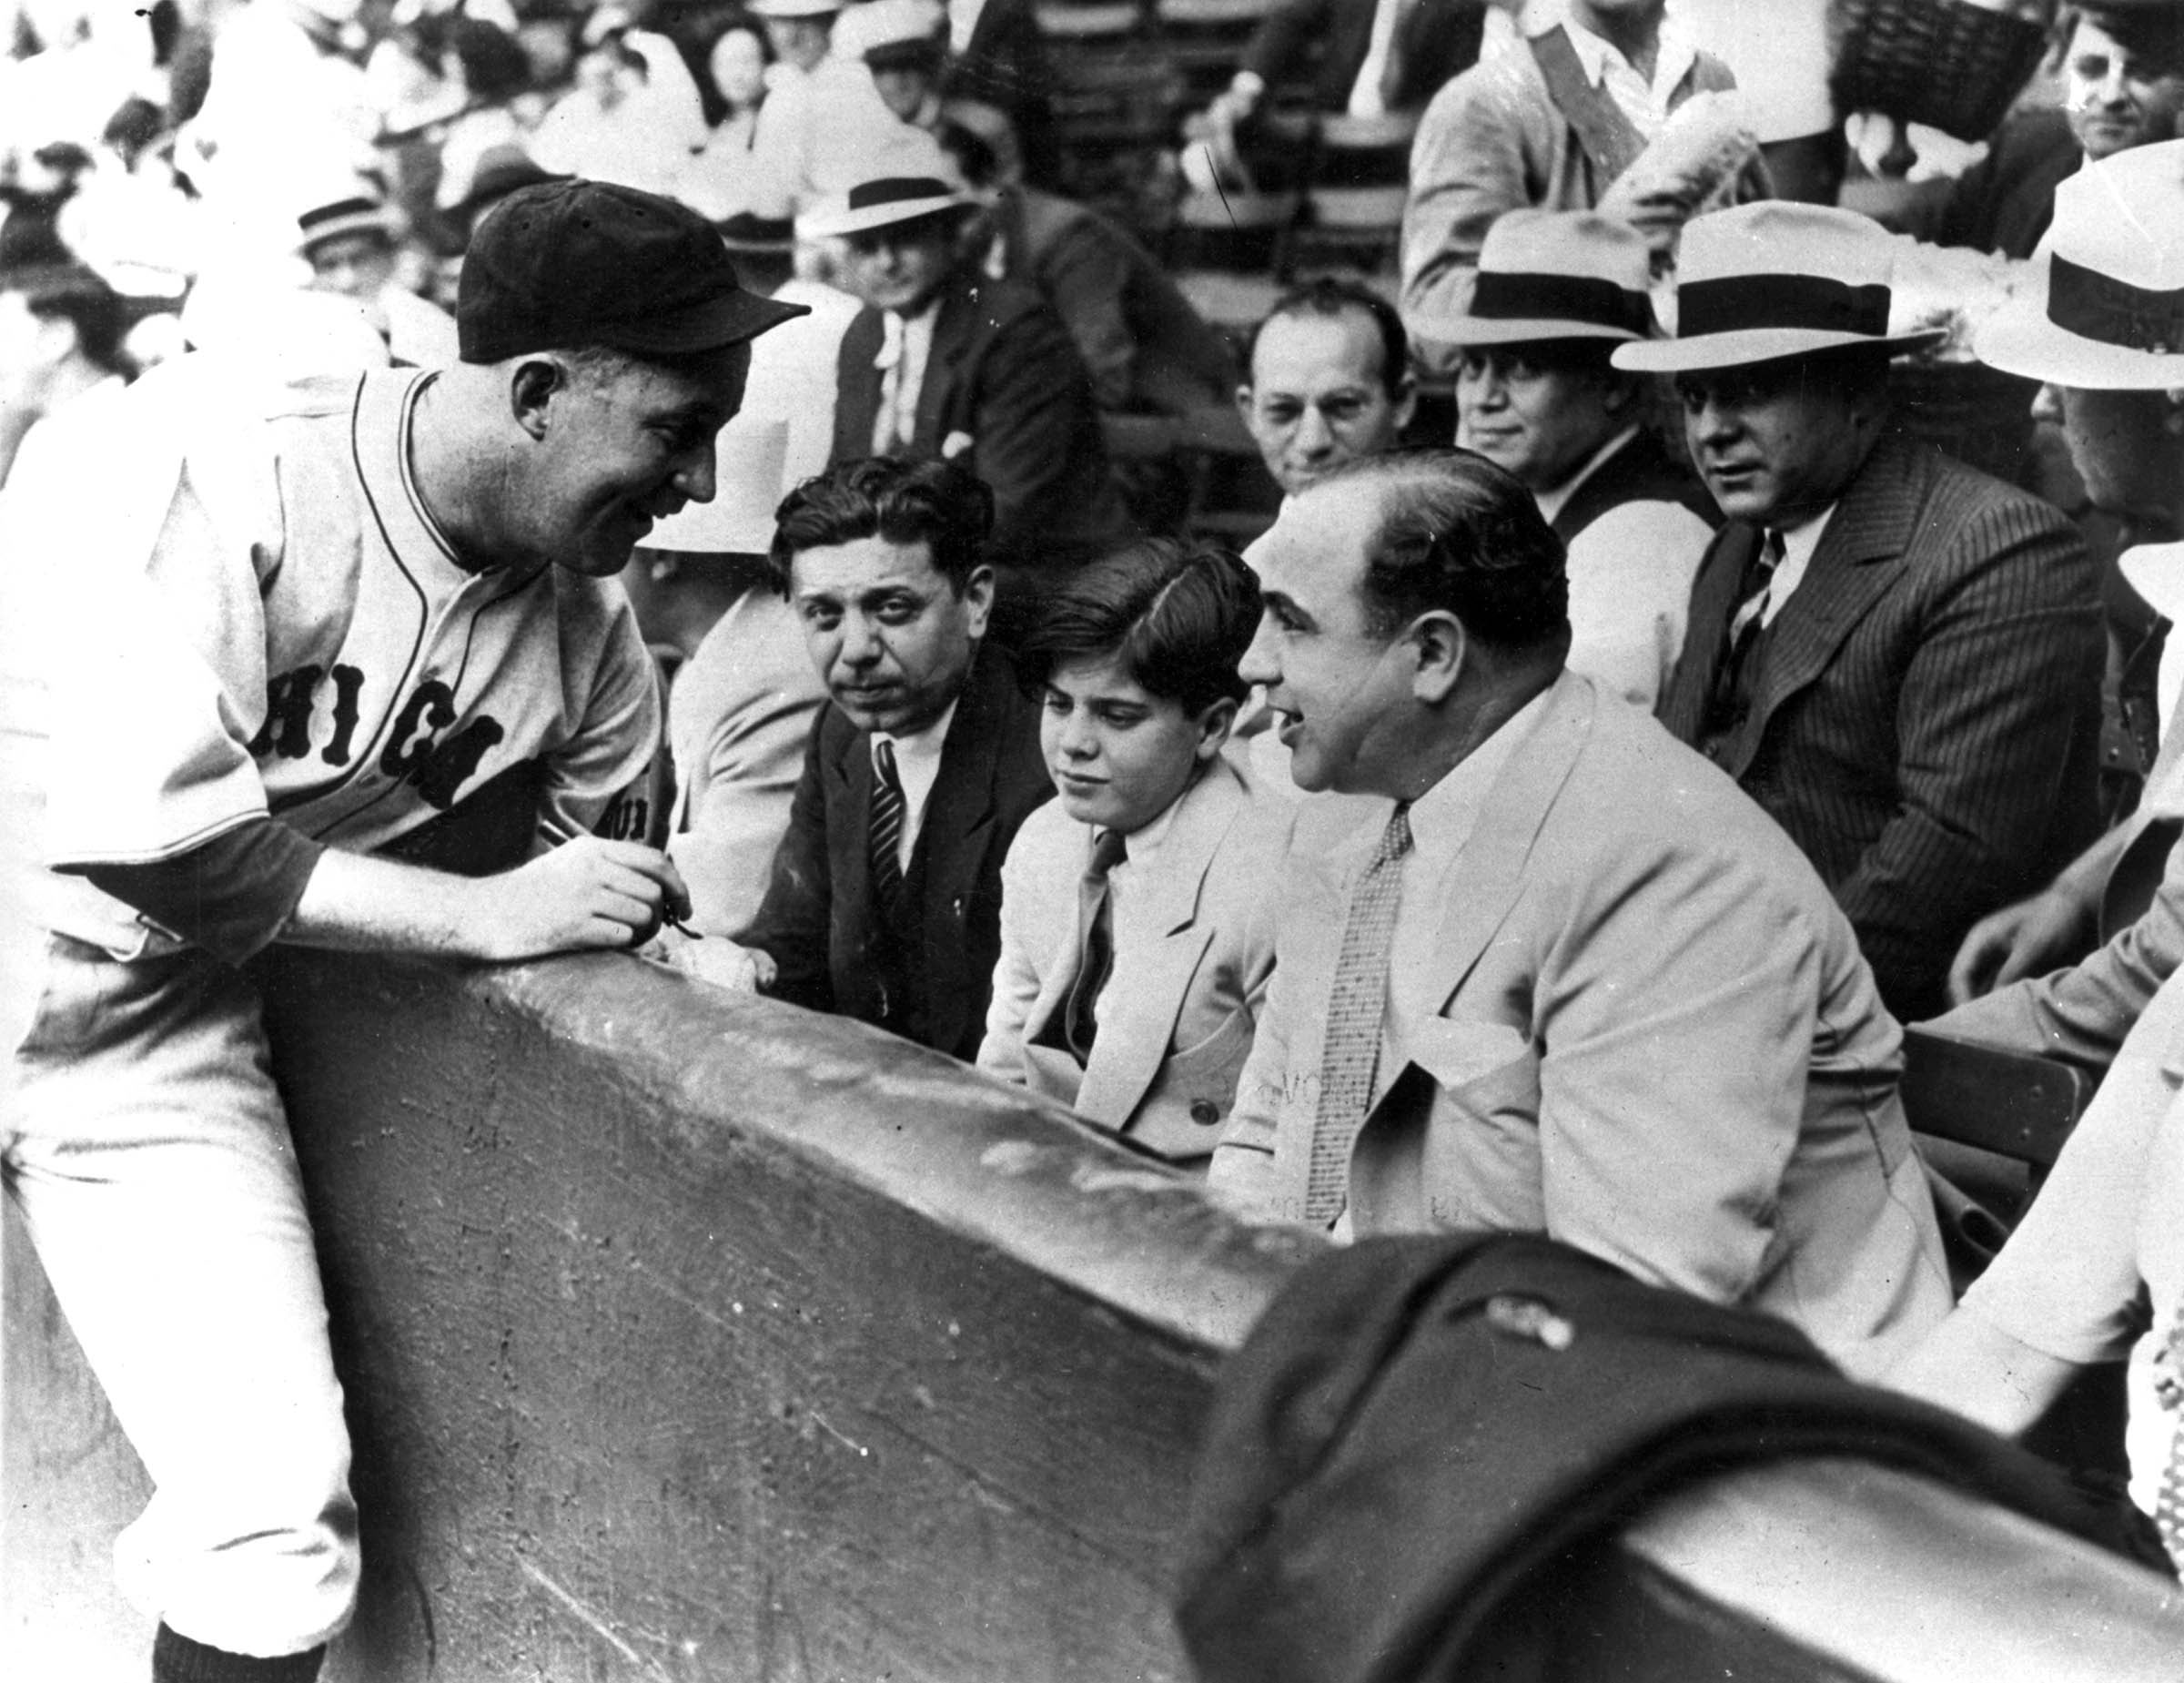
{"points": [[1355, 1008], [2168, 1388], [1732, 674], [886, 835], [1096, 943]]}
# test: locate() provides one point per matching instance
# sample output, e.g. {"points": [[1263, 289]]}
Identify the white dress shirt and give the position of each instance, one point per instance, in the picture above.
{"points": [[1140, 865], [905, 347], [917, 764], [1798, 543], [1644, 103]]}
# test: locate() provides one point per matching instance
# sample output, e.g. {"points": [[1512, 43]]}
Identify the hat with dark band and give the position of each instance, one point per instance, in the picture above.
{"points": [[1776, 279], [354, 214], [2103, 308], [1554, 274], [881, 203], [568, 264]]}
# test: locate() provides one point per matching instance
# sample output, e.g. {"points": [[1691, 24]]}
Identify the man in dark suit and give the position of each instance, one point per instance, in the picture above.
{"points": [[886, 899], [946, 361], [1899, 658]]}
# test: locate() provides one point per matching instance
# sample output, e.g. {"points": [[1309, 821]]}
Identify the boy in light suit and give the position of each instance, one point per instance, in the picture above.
{"points": [[1136, 936]]}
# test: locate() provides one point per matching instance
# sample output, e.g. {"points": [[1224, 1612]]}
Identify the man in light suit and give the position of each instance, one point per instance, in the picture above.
{"points": [[1577, 984], [1136, 931], [885, 898], [1897, 657]]}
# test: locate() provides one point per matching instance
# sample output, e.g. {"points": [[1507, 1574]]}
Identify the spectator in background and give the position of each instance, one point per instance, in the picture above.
{"points": [[885, 902], [1572, 981], [1358, 57], [61, 366], [1137, 929], [349, 242], [1555, 125], [944, 360], [2123, 86], [719, 180], [1327, 380], [743, 695], [2115, 383], [1555, 292], [1147, 350], [823, 121], [1897, 657], [634, 115], [905, 45], [998, 57]]}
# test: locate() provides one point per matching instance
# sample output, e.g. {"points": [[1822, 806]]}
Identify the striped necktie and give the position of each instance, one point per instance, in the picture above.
{"points": [[1355, 1009], [2168, 1388], [1096, 943], [886, 834]]}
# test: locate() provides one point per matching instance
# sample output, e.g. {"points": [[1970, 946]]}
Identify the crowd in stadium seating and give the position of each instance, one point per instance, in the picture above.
{"points": [[1382, 602]]}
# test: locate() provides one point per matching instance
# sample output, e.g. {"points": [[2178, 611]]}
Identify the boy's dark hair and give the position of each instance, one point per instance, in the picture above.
{"points": [[1176, 616], [934, 502]]}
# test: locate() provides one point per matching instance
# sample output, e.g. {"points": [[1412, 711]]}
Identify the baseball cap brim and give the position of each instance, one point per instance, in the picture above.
{"points": [[728, 318], [1712, 351], [2019, 339]]}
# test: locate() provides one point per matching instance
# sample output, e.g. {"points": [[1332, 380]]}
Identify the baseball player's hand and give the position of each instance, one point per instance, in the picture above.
{"points": [[2029, 939], [586, 893]]}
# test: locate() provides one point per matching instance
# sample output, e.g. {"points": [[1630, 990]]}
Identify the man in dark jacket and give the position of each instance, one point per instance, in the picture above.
{"points": [[886, 899], [1897, 657], [944, 361]]}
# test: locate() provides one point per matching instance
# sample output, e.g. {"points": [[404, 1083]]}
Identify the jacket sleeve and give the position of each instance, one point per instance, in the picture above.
{"points": [[1016, 977], [599, 781], [1470, 162], [1656, 1152], [1083, 275], [794, 925], [1242, 1176], [1034, 425], [1988, 717], [2081, 1015]]}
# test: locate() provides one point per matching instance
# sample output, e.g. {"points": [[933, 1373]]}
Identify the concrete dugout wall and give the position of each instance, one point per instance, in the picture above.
{"points": [[688, 1337]]}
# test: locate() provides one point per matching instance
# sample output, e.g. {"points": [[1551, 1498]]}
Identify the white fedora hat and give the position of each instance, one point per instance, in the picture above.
{"points": [[747, 489], [1774, 278], [908, 179], [1554, 274], [2103, 308]]}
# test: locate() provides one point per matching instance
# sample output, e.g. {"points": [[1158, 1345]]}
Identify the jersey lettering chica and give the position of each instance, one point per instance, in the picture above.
{"points": [[282, 629]]}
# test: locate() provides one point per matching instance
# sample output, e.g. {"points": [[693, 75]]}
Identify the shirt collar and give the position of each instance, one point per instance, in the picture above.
{"points": [[1553, 502], [1673, 57], [1798, 543], [919, 745], [1442, 818]]}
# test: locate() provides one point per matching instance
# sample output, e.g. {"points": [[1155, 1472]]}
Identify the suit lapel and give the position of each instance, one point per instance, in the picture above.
{"points": [[857, 388], [1859, 556], [1713, 599], [1142, 1014], [1489, 874], [951, 337], [850, 796], [952, 840]]}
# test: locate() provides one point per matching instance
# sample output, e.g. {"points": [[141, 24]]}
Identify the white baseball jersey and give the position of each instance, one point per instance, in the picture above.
{"points": [[276, 626]]}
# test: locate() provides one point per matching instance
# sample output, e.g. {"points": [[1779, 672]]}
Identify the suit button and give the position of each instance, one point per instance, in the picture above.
{"points": [[1205, 1112]]}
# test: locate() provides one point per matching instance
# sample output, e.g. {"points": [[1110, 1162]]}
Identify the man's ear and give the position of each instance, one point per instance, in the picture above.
{"points": [[978, 600], [1437, 643], [531, 387], [1406, 400]]}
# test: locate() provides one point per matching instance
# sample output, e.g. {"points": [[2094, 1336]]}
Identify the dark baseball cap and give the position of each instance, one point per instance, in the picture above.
{"points": [[571, 263]]}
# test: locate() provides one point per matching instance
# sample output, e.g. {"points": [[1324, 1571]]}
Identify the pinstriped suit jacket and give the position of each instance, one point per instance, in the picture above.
{"points": [[1926, 727]]}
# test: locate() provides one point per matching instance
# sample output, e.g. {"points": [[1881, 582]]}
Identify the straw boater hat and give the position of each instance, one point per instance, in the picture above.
{"points": [[889, 32], [355, 210], [794, 8], [911, 180], [1771, 279], [2103, 307], [1554, 274]]}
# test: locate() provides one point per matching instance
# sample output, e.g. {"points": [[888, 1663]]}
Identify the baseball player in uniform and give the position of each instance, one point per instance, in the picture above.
{"points": [[296, 645]]}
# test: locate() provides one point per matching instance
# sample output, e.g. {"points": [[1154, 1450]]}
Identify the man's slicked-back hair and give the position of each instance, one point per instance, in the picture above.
{"points": [[1458, 534], [905, 501], [1175, 616], [1330, 296]]}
